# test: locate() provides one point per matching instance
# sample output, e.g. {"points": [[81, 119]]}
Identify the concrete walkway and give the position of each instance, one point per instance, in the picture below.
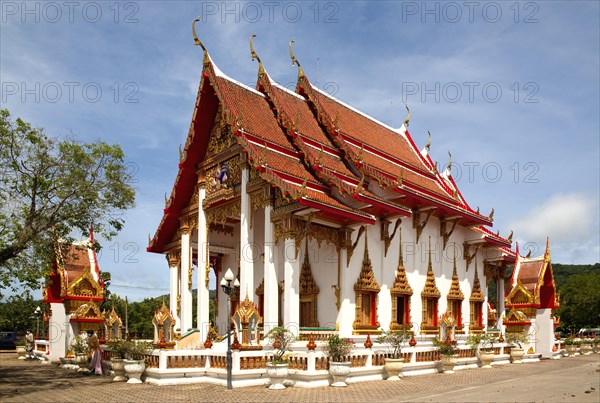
{"points": [[566, 380]]}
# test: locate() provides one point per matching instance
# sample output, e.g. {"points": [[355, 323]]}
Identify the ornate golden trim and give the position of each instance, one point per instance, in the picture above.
{"points": [[469, 257], [455, 293], [365, 284], [385, 234], [85, 286], [419, 225], [430, 289], [444, 233], [309, 291]]}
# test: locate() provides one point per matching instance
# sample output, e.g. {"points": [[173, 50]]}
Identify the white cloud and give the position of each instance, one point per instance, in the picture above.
{"points": [[570, 220]]}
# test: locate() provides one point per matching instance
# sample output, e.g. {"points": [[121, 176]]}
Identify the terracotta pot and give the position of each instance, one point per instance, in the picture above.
{"points": [[339, 371], [449, 362], [486, 358], [134, 369], [516, 355], [393, 367], [278, 373], [118, 365]]}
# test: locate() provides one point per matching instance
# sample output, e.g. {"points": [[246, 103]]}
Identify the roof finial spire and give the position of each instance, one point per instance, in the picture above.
{"points": [[450, 162], [407, 120], [428, 145], [254, 56], [295, 61], [196, 40]]}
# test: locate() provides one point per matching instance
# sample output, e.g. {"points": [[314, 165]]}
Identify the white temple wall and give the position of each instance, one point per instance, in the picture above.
{"points": [[544, 332], [323, 262], [60, 332]]}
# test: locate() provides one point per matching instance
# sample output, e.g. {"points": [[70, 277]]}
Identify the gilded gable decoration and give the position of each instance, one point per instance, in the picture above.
{"points": [[455, 293], [401, 286], [366, 280], [85, 286], [366, 290], [430, 289], [89, 310], [476, 293]]}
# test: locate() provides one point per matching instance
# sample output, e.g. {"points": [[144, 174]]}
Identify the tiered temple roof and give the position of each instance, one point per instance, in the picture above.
{"points": [[319, 152]]}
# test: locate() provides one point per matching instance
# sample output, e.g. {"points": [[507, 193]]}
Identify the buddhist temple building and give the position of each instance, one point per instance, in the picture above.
{"points": [[74, 292], [331, 218], [533, 301]]}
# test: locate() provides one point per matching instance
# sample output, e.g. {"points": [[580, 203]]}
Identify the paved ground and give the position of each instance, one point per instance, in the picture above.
{"points": [[566, 380]]}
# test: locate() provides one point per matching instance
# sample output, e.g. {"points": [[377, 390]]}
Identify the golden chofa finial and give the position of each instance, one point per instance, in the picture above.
{"points": [[407, 120], [196, 40], [450, 162], [295, 61], [428, 145], [491, 216], [254, 56]]}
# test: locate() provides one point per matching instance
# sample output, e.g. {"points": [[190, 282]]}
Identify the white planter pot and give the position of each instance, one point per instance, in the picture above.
{"points": [[339, 371], [22, 352], [449, 362], [278, 373], [486, 358], [586, 349], [393, 366], [571, 349], [134, 369], [82, 361], [516, 355], [118, 365]]}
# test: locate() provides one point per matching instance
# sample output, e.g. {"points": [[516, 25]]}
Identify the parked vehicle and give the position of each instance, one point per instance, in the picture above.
{"points": [[7, 340]]}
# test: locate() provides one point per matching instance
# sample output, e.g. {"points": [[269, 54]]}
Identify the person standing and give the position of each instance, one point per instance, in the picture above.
{"points": [[96, 351]]}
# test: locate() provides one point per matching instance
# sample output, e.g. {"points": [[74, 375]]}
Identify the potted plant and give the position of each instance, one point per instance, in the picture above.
{"points": [[119, 351], [281, 340], [570, 346], [516, 351], [394, 340], [338, 348], [448, 352], [484, 342], [586, 346], [135, 356], [80, 348]]}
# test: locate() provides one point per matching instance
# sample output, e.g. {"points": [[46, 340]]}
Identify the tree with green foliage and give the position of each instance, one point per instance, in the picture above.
{"points": [[50, 189], [580, 302], [17, 313]]}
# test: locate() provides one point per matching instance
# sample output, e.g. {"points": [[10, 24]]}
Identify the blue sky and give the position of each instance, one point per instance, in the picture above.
{"points": [[510, 88]]}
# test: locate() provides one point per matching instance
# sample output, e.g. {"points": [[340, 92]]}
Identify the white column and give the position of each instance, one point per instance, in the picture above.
{"points": [[347, 300], [173, 286], [271, 297], [202, 317], [186, 292], [246, 258], [291, 291]]}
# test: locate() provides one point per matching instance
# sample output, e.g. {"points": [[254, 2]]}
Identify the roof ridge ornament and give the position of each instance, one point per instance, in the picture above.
{"points": [[428, 145], [197, 41], [295, 61], [254, 55], [407, 120]]}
